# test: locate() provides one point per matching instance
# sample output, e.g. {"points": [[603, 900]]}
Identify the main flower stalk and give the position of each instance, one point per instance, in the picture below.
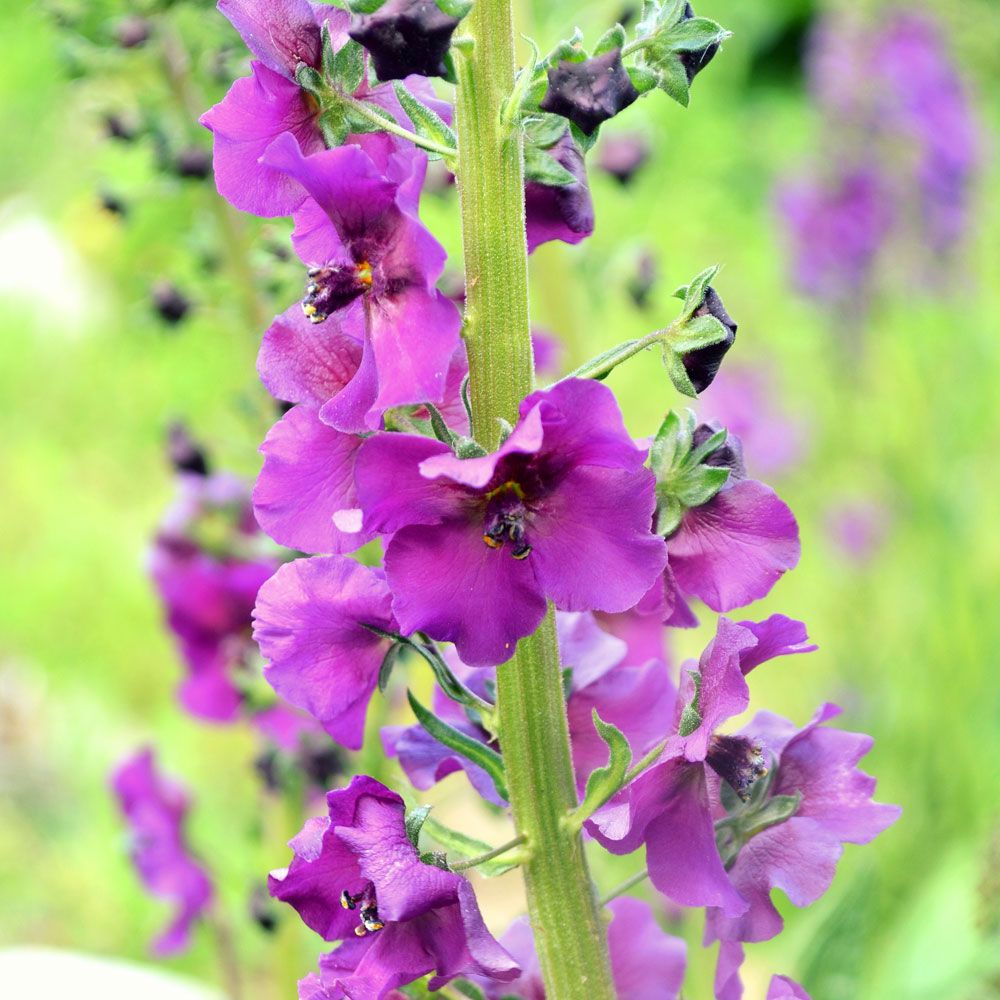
{"points": [[569, 932]]}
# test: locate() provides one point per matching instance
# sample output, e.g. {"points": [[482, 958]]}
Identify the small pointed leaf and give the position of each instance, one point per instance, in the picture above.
{"points": [[415, 820]]}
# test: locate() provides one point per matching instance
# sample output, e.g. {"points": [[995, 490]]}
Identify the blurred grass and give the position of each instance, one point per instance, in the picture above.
{"points": [[90, 378]]}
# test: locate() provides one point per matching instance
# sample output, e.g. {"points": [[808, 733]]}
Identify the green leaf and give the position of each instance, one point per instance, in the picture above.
{"points": [[480, 754], [544, 130], [604, 782], [694, 35], [428, 124], [454, 8], [698, 332], [672, 443], [694, 296], [673, 80], [691, 716], [613, 38], [584, 141], [349, 66], [415, 820], [543, 169], [468, 847]]}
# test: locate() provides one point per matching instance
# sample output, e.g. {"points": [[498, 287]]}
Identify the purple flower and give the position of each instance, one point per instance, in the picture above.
{"points": [[623, 155], [858, 527], [729, 986], [270, 103], [355, 877], [479, 545], [367, 254], [154, 808], [800, 854], [208, 593], [310, 623], [783, 988], [668, 807], [635, 700], [646, 964], [560, 212], [746, 401], [732, 550]]}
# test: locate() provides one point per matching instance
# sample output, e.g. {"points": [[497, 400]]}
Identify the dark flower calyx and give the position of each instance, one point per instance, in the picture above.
{"points": [[370, 921], [695, 62], [729, 455], [702, 365], [405, 37], [170, 303], [334, 286], [589, 92], [738, 761]]}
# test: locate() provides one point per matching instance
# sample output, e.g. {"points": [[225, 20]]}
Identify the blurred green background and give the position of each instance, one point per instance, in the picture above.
{"points": [[90, 376]]}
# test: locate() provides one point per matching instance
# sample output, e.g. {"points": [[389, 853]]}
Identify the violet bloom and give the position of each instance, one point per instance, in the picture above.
{"points": [[155, 808], [747, 402], [310, 623], [355, 877], [646, 963], [208, 591], [668, 807], [623, 155], [562, 511], [560, 212], [636, 700], [367, 254], [799, 856], [732, 550], [269, 103]]}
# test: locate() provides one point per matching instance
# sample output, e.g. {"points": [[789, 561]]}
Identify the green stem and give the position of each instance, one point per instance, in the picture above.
{"points": [[604, 364], [461, 866], [629, 883], [569, 932]]}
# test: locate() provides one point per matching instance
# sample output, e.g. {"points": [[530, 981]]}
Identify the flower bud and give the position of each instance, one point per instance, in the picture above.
{"points": [[169, 302], [404, 37], [118, 127], [132, 32], [193, 162], [589, 92], [185, 454], [728, 455], [695, 62], [642, 282], [702, 364], [622, 156]]}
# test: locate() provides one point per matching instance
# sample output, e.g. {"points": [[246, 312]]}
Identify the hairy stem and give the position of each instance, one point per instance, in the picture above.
{"points": [[569, 932]]}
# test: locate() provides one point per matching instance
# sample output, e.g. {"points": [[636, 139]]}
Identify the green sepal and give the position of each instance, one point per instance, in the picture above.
{"points": [[480, 754], [750, 818], [643, 78], [468, 847], [469, 990], [672, 80], [693, 35], [709, 445], [697, 332], [699, 485], [310, 80], [543, 169], [334, 128], [348, 69], [364, 6], [388, 663], [441, 430], [543, 130], [672, 443], [454, 8], [691, 716], [674, 364], [428, 124], [605, 782], [567, 50], [437, 859], [613, 38], [694, 293], [329, 56], [567, 682], [449, 75], [584, 141], [669, 514], [414, 823]]}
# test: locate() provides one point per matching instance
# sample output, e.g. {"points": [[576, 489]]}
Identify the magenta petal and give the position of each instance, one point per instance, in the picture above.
{"points": [[414, 334], [307, 477], [393, 492], [646, 964], [258, 109], [733, 550], [776, 636], [348, 410], [592, 544], [728, 985], [309, 624], [783, 988], [303, 362], [280, 33], [445, 582], [683, 861]]}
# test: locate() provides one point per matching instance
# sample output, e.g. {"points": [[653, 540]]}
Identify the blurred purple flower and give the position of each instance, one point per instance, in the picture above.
{"points": [[155, 808], [858, 527]]}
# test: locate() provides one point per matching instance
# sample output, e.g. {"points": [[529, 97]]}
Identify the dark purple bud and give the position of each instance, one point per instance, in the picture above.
{"points": [[321, 762], [170, 303], [185, 454], [622, 155], [703, 364], [113, 204], [116, 127], [643, 280], [589, 92], [739, 761], [262, 910], [132, 32], [404, 37], [695, 62], [560, 212], [193, 162], [728, 456], [334, 286]]}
